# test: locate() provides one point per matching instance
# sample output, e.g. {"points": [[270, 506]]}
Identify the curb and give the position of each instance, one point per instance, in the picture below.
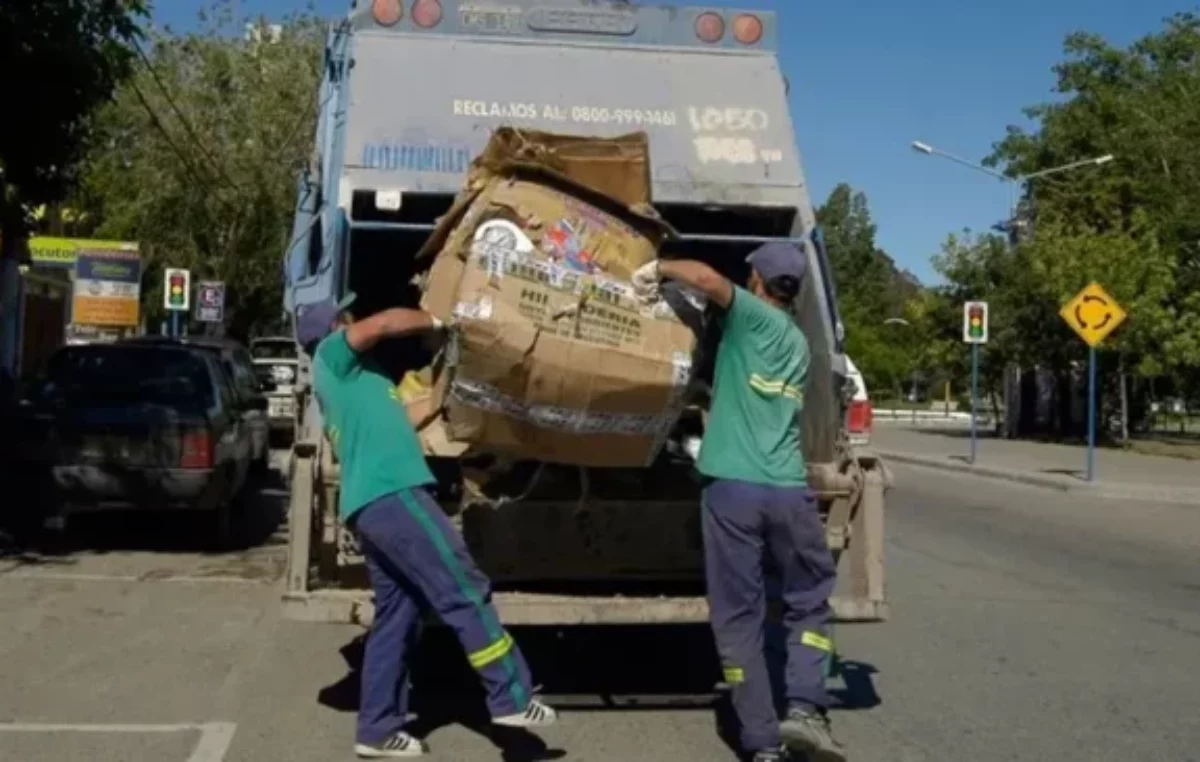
{"points": [[1108, 491]]}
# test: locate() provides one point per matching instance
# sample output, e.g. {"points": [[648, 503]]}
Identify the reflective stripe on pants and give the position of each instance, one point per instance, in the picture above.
{"points": [[416, 558], [746, 525]]}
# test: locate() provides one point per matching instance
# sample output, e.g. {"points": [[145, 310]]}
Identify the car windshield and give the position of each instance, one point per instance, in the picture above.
{"points": [[123, 375], [273, 349]]}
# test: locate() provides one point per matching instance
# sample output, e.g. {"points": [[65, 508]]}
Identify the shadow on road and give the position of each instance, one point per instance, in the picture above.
{"points": [[258, 516], [584, 669]]}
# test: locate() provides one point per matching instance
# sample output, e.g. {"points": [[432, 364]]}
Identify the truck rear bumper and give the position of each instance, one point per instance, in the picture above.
{"points": [[355, 607]]}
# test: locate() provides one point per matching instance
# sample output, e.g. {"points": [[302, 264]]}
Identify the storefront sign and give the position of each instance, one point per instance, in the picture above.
{"points": [[107, 288], [47, 251]]}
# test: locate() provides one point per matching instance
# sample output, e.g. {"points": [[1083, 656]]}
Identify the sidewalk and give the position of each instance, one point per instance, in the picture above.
{"points": [[1119, 474]]}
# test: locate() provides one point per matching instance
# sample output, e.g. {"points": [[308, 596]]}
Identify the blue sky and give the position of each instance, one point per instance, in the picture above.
{"points": [[870, 76]]}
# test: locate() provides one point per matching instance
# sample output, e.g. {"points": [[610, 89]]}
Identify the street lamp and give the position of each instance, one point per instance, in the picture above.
{"points": [[913, 370], [1015, 182]]}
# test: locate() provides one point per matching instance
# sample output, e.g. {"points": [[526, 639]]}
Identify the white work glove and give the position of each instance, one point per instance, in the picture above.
{"points": [[646, 280]]}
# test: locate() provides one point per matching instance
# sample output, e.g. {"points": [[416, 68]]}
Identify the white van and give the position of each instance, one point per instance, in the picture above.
{"points": [[859, 416]]}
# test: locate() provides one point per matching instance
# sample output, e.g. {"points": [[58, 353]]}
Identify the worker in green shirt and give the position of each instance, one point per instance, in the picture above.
{"points": [[756, 502], [414, 556]]}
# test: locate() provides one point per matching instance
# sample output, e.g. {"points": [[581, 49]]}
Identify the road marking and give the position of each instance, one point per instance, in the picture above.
{"points": [[65, 727], [147, 577], [215, 740], [214, 743]]}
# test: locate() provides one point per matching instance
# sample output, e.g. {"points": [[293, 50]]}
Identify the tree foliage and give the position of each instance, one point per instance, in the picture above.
{"points": [[200, 152], [61, 60], [870, 291], [1133, 225]]}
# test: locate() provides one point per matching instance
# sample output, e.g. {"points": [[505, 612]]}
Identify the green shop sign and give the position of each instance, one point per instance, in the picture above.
{"points": [[46, 251]]}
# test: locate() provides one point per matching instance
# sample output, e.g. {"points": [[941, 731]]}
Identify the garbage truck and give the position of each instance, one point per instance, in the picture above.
{"points": [[411, 91]]}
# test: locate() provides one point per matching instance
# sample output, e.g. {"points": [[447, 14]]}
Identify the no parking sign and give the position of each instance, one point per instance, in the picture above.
{"points": [[210, 302]]}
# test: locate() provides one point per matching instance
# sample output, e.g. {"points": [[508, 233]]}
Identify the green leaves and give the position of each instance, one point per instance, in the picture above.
{"points": [[1134, 225], [61, 60], [199, 155], [870, 291]]}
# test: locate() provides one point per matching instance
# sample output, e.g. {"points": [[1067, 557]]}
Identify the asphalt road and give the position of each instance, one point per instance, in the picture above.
{"points": [[1026, 625]]}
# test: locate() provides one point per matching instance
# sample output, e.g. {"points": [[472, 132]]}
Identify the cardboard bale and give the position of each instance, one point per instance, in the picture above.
{"points": [[563, 179], [566, 372], [616, 167], [418, 393], [551, 358]]}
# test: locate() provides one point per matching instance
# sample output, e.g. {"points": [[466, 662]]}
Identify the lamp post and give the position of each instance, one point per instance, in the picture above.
{"points": [[900, 390], [1015, 183]]}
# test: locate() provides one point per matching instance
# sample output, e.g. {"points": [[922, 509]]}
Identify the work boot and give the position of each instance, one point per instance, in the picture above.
{"points": [[536, 715], [396, 746], [808, 732]]}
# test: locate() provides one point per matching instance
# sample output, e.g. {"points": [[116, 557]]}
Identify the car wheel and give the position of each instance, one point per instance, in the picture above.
{"points": [[222, 525]]}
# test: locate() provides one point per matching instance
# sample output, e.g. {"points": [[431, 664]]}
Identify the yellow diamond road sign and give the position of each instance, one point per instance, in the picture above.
{"points": [[1093, 314]]}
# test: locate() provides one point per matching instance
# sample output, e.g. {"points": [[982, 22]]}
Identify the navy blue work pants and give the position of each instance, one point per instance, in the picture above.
{"points": [[416, 558], [748, 527]]}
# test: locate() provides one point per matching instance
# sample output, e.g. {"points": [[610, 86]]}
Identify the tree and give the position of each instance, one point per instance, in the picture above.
{"points": [[61, 59], [1134, 225], [200, 153], [870, 290], [975, 268]]}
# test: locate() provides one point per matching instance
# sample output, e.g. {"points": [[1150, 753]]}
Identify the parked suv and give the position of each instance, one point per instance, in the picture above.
{"points": [[250, 391], [135, 425]]}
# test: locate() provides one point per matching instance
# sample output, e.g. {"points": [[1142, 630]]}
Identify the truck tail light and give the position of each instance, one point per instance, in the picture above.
{"points": [[387, 12], [196, 449], [747, 29], [860, 417], [710, 27], [427, 13]]}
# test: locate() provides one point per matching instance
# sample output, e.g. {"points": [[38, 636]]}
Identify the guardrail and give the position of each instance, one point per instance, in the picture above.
{"points": [[929, 417]]}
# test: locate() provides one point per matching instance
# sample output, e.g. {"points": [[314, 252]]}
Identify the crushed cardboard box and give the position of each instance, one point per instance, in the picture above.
{"points": [[551, 357]]}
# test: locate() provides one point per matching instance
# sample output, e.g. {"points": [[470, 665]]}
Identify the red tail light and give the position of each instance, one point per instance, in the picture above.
{"points": [[387, 12], [196, 450], [747, 29], [860, 417], [710, 27], [427, 13]]}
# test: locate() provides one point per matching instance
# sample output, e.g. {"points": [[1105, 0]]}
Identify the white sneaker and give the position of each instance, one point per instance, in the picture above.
{"points": [[396, 746], [536, 715]]}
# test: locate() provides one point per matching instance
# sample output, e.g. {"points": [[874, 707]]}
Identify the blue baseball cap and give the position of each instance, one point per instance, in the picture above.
{"points": [[316, 321], [777, 259]]}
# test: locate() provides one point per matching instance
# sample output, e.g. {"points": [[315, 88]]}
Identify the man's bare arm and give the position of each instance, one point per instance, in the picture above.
{"points": [[393, 323], [700, 277]]}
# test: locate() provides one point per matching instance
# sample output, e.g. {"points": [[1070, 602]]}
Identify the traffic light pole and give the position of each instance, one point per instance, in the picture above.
{"points": [[175, 324], [974, 397]]}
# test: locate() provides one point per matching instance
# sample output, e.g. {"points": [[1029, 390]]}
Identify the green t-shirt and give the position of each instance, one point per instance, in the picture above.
{"points": [[374, 441], [753, 432]]}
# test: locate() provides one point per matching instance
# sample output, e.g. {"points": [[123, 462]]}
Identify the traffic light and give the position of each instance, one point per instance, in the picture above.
{"points": [[975, 322], [177, 290]]}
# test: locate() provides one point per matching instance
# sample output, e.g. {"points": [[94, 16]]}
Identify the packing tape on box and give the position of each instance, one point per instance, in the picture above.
{"points": [[487, 397]]}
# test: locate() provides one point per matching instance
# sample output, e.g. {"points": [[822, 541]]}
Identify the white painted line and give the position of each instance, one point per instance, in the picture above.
{"points": [[214, 743], [215, 739], [149, 577], [66, 727]]}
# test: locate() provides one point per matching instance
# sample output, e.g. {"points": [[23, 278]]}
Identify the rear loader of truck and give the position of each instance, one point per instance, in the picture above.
{"points": [[410, 94]]}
